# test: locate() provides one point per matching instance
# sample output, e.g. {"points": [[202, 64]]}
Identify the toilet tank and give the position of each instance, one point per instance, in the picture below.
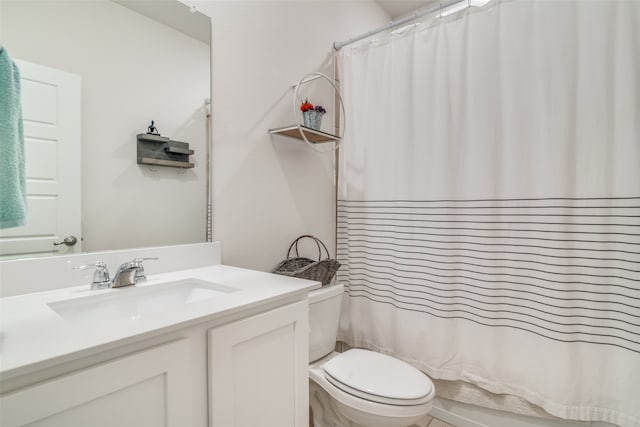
{"points": [[324, 317]]}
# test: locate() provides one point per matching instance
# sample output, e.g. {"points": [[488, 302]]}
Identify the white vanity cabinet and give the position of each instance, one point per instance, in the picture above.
{"points": [[146, 388], [258, 370], [243, 370]]}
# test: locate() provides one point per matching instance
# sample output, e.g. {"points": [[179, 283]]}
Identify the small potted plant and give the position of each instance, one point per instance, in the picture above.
{"points": [[312, 115]]}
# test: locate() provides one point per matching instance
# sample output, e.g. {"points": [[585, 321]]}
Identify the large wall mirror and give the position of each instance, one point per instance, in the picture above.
{"points": [[98, 72]]}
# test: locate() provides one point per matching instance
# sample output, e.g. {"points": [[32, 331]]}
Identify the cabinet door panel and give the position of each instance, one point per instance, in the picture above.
{"points": [[149, 388], [258, 370], [140, 404]]}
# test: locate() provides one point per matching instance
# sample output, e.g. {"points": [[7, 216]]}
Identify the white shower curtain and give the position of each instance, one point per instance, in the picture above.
{"points": [[489, 201]]}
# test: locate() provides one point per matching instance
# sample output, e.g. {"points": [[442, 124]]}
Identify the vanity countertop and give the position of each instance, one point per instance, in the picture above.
{"points": [[34, 336]]}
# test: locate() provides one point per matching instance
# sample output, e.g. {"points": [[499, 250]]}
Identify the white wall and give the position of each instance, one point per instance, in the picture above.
{"points": [[268, 190], [133, 70]]}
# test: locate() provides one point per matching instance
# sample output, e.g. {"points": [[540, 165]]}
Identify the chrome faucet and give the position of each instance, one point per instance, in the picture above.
{"points": [[140, 273], [100, 276], [128, 274]]}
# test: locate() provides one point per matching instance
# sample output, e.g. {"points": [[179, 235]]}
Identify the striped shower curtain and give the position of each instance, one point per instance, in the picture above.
{"points": [[489, 201]]}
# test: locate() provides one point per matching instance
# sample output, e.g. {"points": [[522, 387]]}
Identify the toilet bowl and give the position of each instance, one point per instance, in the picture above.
{"points": [[359, 388]]}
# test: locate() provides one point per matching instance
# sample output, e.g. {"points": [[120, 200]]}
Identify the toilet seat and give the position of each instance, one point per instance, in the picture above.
{"points": [[362, 411], [378, 378]]}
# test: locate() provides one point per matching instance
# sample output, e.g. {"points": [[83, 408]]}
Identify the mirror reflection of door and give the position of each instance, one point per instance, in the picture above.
{"points": [[52, 129]]}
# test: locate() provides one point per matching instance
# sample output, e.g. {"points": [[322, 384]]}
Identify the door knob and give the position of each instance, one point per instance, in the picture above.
{"points": [[69, 241]]}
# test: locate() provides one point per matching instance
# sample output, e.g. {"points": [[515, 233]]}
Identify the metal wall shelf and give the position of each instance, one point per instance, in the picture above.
{"points": [[310, 135], [296, 131]]}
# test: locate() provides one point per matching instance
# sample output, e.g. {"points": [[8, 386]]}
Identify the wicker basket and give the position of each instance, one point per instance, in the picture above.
{"points": [[321, 270]]}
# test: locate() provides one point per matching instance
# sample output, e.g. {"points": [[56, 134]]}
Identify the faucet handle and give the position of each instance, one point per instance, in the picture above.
{"points": [[140, 271], [100, 276]]}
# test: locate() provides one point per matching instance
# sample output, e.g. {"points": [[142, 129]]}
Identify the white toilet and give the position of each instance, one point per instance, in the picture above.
{"points": [[359, 388]]}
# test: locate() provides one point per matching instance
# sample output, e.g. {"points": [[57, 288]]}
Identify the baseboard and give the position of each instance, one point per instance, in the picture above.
{"points": [[439, 411], [466, 415]]}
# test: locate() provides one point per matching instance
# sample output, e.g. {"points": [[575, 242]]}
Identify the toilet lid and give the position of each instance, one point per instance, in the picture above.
{"points": [[378, 377]]}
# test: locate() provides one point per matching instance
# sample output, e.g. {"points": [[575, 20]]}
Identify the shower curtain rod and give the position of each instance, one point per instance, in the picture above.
{"points": [[393, 24]]}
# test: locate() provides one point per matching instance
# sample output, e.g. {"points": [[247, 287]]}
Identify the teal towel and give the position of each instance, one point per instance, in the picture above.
{"points": [[13, 195]]}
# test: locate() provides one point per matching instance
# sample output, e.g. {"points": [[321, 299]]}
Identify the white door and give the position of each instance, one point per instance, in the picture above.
{"points": [[51, 115]]}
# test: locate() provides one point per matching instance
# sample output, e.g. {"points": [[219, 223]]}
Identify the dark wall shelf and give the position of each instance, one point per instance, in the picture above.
{"points": [[159, 162], [159, 150]]}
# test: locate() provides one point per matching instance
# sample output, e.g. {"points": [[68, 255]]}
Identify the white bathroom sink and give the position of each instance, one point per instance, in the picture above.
{"points": [[135, 303]]}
